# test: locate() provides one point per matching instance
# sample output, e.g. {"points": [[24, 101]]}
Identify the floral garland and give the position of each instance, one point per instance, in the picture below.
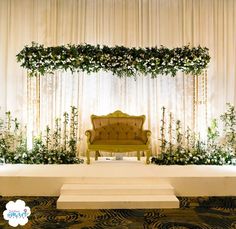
{"points": [[119, 60]]}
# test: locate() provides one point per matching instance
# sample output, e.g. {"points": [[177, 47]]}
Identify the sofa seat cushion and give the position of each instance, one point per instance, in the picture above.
{"points": [[118, 142], [118, 132]]}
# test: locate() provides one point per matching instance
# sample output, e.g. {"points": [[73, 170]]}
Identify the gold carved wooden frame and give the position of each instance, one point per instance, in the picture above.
{"points": [[118, 148]]}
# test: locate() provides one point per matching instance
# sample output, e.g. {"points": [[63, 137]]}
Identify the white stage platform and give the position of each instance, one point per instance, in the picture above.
{"points": [[47, 180]]}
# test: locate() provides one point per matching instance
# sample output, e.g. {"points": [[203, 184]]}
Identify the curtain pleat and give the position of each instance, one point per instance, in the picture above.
{"points": [[132, 23]]}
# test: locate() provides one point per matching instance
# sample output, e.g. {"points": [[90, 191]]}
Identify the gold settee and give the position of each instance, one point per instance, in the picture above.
{"points": [[118, 132]]}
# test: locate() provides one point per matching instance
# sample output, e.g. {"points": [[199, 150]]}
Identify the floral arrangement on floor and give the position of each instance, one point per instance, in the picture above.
{"points": [[56, 146], [59, 145], [187, 148], [119, 60]]}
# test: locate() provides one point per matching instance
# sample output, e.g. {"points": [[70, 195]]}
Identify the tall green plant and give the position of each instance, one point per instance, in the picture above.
{"points": [[170, 132], [73, 129], [46, 149], [163, 123], [65, 123], [179, 135], [212, 132], [229, 122], [195, 150], [57, 134]]}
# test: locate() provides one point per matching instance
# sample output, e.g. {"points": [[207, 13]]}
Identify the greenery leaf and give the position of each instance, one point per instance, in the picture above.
{"points": [[119, 60]]}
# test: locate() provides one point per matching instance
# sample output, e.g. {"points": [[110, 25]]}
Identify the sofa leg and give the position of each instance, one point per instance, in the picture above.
{"points": [[148, 154], [88, 157], [96, 155], [138, 155]]}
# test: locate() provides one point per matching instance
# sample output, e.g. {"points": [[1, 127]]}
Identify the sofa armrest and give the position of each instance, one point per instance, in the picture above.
{"points": [[146, 135], [90, 136]]}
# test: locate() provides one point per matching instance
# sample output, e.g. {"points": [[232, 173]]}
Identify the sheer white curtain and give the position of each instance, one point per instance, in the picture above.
{"points": [[130, 23]]}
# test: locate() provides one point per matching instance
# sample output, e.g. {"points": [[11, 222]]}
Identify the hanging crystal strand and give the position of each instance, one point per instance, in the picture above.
{"points": [[205, 96], [37, 104], [201, 104], [77, 131], [30, 124], [195, 102], [163, 140]]}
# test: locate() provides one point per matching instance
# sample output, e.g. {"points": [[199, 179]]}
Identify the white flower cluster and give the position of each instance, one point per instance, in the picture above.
{"points": [[120, 60]]}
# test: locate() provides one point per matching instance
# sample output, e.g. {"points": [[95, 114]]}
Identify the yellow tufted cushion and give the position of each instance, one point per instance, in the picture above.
{"points": [[118, 142], [126, 128]]}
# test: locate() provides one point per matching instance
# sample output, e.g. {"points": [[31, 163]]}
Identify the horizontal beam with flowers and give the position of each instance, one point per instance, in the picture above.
{"points": [[119, 60]]}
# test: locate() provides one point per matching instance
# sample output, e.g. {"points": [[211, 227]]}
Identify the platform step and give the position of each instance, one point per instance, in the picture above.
{"points": [[117, 202], [117, 189]]}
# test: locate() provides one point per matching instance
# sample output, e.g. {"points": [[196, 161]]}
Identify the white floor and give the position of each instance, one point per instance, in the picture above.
{"points": [[47, 180]]}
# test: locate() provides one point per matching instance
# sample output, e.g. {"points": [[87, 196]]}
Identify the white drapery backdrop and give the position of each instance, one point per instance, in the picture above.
{"points": [[131, 23]]}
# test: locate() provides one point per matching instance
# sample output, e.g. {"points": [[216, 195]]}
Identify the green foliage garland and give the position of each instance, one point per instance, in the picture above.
{"points": [[119, 60]]}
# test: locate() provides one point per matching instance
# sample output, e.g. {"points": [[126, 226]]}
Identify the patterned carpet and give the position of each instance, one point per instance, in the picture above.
{"points": [[195, 213]]}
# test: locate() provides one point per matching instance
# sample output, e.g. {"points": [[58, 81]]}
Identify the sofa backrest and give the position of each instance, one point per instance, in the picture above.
{"points": [[117, 126]]}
